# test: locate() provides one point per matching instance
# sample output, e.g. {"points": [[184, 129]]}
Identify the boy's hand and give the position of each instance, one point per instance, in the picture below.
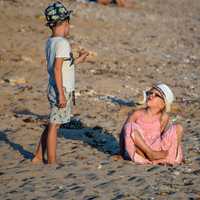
{"points": [[62, 101], [82, 56]]}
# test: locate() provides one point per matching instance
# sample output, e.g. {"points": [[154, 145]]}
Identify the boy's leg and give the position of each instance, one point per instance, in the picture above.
{"points": [[41, 148], [51, 142]]}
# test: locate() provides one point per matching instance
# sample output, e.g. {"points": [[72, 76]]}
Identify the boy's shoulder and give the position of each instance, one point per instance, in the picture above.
{"points": [[58, 44], [63, 43], [58, 40], [62, 39]]}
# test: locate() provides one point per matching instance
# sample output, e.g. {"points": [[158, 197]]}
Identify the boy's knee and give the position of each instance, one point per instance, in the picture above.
{"points": [[55, 126]]}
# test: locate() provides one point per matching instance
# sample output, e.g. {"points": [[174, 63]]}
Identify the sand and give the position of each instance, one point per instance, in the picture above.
{"points": [[132, 48]]}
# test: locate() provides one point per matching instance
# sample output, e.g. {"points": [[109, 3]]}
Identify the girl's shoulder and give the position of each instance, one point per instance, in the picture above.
{"points": [[164, 117], [136, 114]]}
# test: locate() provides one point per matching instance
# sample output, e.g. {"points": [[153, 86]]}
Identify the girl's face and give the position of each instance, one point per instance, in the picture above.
{"points": [[155, 99]]}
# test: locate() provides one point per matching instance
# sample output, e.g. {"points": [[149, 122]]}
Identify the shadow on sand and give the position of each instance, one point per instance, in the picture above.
{"points": [[17, 147], [96, 137], [117, 100]]}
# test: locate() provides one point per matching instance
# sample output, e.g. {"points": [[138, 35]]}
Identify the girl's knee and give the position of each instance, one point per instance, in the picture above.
{"points": [[179, 128]]}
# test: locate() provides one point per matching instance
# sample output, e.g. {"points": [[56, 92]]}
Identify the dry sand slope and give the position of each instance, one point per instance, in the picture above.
{"points": [[156, 41]]}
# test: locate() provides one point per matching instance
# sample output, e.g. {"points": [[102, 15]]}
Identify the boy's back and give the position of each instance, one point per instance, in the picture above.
{"points": [[58, 47]]}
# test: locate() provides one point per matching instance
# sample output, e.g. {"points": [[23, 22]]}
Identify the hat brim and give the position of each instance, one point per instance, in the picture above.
{"points": [[167, 105]]}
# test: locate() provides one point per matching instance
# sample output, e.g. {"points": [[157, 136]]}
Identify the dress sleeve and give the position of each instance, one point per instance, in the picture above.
{"points": [[130, 127]]}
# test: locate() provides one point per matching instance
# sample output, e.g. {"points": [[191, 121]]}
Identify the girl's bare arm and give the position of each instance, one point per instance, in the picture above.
{"points": [[164, 122]]}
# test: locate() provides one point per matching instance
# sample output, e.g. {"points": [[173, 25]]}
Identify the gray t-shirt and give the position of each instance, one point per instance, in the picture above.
{"points": [[58, 47]]}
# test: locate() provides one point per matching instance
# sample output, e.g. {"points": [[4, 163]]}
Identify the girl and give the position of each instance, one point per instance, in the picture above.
{"points": [[148, 136]]}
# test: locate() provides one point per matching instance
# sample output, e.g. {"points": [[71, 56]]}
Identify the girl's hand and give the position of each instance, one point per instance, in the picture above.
{"points": [[62, 101]]}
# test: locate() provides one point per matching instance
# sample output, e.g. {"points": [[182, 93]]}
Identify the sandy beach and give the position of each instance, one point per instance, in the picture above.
{"points": [[132, 48]]}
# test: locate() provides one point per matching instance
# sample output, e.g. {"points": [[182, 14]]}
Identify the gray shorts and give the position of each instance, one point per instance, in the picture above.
{"points": [[59, 115]]}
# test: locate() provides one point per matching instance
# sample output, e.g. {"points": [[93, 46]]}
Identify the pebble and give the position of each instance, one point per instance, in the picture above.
{"points": [[27, 59], [177, 173], [16, 81], [99, 166]]}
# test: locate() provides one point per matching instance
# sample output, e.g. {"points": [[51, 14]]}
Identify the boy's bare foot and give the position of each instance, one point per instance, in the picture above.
{"points": [[156, 155], [36, 160], [52, 161]]}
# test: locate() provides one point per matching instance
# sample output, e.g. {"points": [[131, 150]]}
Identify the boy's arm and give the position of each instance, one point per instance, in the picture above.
{"points": [[59, 82], [82, 57]]}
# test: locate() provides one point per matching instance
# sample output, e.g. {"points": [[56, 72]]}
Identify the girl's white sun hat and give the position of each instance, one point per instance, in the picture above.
{"points": [[166, 93]]}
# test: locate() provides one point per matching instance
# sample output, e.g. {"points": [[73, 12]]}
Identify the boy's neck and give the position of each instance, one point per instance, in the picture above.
{"points": [[56, 32], [57, 35]]}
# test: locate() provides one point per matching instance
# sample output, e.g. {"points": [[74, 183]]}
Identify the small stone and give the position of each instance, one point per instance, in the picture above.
{"points": [[92, 71], [187, 60], [99, 167], [27, 59], [16, 81], [177, 173], [60, 187]]}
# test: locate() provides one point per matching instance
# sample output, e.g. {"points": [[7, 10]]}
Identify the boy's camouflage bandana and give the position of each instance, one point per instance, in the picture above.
{"points": [[56, 12]]}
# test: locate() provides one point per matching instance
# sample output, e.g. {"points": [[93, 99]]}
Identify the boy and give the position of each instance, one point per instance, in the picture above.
{"points": [[60, 66]]}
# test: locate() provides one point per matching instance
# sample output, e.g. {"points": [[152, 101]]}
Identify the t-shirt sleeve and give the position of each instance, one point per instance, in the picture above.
{"points": [[62, 49]]}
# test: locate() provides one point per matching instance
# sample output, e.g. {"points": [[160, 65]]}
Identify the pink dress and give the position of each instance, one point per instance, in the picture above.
{"points": [[150, 131]]}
